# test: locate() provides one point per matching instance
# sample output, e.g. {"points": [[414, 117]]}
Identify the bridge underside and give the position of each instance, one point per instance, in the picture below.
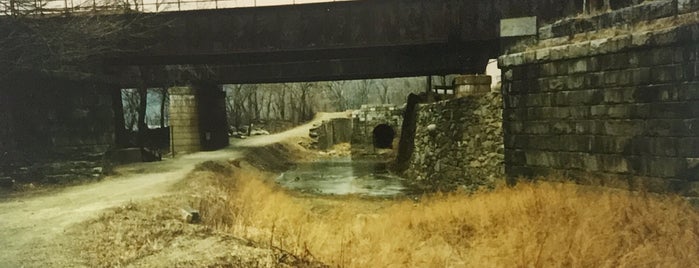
{"points": [[326, 41], [315, 65]]}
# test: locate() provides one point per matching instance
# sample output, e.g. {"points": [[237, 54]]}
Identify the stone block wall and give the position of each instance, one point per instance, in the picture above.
{"points": [[366, 119], [609, 100], [458, 143], [184, 120], [332, 132]]}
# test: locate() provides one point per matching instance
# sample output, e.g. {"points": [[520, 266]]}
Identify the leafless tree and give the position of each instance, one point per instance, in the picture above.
{"points": [[382, 90], [338, 93], [281, 101], [131, 101]]}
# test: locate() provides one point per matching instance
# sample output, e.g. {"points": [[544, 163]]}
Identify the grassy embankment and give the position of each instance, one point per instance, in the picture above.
{"points": [[532, 224]]}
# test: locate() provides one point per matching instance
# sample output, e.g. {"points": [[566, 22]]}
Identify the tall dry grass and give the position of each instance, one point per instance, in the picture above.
{"points": [[532, 225]]}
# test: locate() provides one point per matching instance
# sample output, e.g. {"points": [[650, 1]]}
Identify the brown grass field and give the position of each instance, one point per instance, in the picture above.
{"points": [[530, 225]]}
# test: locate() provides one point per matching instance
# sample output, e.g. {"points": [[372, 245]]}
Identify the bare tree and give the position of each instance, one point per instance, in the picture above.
{"points": [[360, 94], [281, 101], [131, 101], [382, 89], [338, 93]]}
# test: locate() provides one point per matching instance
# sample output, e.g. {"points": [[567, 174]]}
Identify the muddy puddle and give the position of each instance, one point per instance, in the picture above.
{"points": [[344, 177]]}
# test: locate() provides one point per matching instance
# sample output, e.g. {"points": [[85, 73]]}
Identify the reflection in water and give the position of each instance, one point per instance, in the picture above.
{"points": [[342, 178]]}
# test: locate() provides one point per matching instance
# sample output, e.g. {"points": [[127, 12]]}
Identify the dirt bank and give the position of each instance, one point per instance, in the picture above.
{"points": [[33, 226]]}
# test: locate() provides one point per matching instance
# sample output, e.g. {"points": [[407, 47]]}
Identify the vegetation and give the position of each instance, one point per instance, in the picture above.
{"points": [[298, 102], [532, 224]]}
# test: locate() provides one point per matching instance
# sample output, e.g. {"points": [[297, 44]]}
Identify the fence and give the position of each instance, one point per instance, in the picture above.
{"points": [[43, 7]]}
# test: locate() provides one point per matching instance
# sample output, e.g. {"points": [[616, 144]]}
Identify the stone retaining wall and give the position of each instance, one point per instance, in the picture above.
{"points": [[332, 132], [611, 106], [458, 143]]}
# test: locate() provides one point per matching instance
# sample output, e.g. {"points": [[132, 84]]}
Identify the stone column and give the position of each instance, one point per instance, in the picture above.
{"points": [[466, 85], [184, 120]]}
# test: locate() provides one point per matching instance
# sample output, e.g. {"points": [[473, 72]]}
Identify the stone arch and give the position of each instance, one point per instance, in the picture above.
{"points": [[383, 136]]}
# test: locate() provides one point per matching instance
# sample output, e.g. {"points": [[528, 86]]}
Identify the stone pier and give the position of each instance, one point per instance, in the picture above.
{"points": [[184, 120]]}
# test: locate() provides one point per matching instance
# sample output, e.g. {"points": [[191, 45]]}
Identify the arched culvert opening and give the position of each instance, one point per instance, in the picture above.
{"points": [[383, 136]]}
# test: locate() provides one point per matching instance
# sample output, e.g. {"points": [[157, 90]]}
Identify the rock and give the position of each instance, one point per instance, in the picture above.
{"points": [[190, 215]]}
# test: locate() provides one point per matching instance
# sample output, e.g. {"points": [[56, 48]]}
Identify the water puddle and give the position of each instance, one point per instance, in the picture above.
{"points": [[343, 177]]}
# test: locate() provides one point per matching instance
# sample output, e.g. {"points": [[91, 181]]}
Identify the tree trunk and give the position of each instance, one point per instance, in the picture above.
{"points": [[163, 101], [119, 122], [142, 127]]}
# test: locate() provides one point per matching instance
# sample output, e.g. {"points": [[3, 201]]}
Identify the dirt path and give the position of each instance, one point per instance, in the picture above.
{"points": [[300, 131], [32, 227]]}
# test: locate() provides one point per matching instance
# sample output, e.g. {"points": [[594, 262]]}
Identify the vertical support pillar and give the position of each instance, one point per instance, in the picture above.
{"points": [[184, 120], [119, 124], [213, 125]]}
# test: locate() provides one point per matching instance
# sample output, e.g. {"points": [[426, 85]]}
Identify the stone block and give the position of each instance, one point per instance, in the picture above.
{"points": [[556, 68], [543, 54], [611, 45], [559, 52], [666, 73], [614, 164], [578, 66], [579, 50], [624, 127], [546, 32], [575, 82], [686, 6], [653, 10], [666, 127], [666, 167], [665, 37]]}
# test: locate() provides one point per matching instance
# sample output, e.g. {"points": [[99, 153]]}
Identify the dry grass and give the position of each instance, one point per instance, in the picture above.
{"points": [[538, 225]]}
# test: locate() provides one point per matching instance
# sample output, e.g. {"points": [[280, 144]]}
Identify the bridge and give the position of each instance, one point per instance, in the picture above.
{"points": [[311, 42], [331, 41]]}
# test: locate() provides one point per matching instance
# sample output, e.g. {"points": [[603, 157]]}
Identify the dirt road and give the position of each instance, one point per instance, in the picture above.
{"points": [[32, 227]]}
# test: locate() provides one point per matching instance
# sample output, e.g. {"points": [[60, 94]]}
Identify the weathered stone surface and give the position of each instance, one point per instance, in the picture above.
{"points": [[459, 143], [685, 6], [618, 110], [366, 120], [184, 120]]}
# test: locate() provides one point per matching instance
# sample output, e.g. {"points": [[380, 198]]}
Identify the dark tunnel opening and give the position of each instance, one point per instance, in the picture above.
{"points": [[383, 136]]}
